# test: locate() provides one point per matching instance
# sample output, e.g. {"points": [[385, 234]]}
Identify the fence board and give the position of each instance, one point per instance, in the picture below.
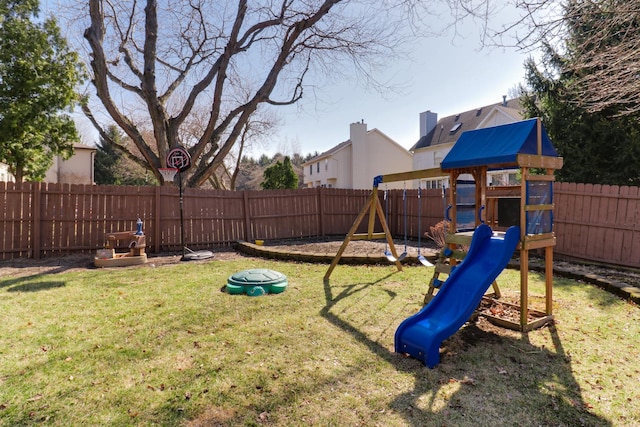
{"points": [[609, 212], [611, 226], [19, 215], [559, 212], [630, 249]]}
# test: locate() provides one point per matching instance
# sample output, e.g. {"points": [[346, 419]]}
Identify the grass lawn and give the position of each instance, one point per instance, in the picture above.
{"points": [[164, 346]]}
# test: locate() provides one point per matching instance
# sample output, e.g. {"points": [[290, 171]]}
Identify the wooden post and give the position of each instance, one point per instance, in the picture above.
{"points": [[480, 177], [524, 252], [372, 212], [453, 190], [387, 233], [247, 217], [157, 225], [372, 205], [548, 274], [35, 219], [320, 202], [539, 135], [548, 251]]}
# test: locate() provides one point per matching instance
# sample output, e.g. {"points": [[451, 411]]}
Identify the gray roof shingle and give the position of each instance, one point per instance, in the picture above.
{"points": [[448, 129]]}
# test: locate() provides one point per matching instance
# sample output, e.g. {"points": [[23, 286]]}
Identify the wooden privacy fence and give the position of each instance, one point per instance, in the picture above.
{"points": [[598, 222], [43, 220], [592, 222]]}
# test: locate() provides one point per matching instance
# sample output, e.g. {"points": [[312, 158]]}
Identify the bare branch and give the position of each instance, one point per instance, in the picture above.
{"points": [[171, 61]]}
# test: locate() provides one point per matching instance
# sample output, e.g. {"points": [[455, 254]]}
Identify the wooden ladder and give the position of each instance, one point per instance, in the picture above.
{"points": [[453, 253]]}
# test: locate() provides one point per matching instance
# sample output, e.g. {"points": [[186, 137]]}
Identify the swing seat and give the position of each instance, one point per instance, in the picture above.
{"points": [[424, 261], [391, 258]]}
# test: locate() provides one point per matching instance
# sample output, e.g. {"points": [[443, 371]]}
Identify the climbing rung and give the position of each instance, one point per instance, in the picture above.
{"points": [[458, 254], [443, 268], [459, 238]]}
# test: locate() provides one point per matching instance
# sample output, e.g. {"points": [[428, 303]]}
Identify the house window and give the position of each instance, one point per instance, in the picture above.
{"points": [[433, 184], [455, 128], [310, 169], [326, 164], [498, 179], [437, 159], [318, 167]]}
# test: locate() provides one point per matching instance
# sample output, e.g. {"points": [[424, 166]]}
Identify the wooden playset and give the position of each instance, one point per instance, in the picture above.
{"points": [[522, 145]]}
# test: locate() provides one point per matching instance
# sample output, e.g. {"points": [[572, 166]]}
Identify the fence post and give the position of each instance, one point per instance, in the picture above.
{"points": [[157, 226], [393, 207], [247, 218], [35, 219], [320, 202]]}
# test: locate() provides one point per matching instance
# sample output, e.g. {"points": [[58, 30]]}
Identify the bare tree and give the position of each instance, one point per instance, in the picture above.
{"points": [[606, 59], [156, 63], [256, 129], [599, 41]]}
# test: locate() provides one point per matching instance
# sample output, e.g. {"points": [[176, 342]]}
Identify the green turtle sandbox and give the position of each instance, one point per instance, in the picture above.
{"points": [[256, 282]]}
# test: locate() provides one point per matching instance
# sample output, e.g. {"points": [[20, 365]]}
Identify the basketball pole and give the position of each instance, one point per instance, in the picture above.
{"points": [[181, 215]]}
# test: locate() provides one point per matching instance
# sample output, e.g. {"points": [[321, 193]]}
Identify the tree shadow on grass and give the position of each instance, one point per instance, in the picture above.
{"points": [[33, 286], [25, 275], [486, 376], [32, 283]]}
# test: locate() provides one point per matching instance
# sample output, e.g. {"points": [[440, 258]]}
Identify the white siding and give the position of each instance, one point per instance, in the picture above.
{"points": [[78, 169], [355, 163]]}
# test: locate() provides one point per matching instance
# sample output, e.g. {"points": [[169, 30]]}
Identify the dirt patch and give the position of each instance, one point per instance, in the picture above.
{"points": [[585, 271], [355, 247]]}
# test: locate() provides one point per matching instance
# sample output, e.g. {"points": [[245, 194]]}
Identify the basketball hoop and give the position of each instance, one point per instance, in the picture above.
{"points": [[168, 173]]}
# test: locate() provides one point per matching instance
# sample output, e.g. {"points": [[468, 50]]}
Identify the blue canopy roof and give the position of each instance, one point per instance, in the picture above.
{"points": [[498, 145]]}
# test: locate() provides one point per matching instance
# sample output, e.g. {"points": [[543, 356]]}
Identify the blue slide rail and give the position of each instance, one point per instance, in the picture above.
{"points": [[421, 335]]}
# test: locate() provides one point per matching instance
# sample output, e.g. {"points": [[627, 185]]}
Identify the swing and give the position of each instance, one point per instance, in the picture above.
{"points": [[387, 252], [404, 203], [421, 258]]}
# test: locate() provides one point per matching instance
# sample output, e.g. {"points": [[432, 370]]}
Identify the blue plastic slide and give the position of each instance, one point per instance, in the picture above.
{"points": [[420, 335]]}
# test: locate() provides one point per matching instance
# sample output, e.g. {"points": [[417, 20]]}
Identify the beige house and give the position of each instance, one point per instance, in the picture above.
{"points": [[438, 136], [78, 169], [355, 162]]}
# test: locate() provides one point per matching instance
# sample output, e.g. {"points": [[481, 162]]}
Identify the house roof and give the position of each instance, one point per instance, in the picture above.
{"points": [[81, 146], [333, 150], [329, 152], [449, 128], [497, 145]]}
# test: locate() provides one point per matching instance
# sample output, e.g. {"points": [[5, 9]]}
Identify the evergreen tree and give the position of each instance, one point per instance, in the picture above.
{"points": [[112, 167], [280, 176], [599, 147], [106, 159], [38, 75]]}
